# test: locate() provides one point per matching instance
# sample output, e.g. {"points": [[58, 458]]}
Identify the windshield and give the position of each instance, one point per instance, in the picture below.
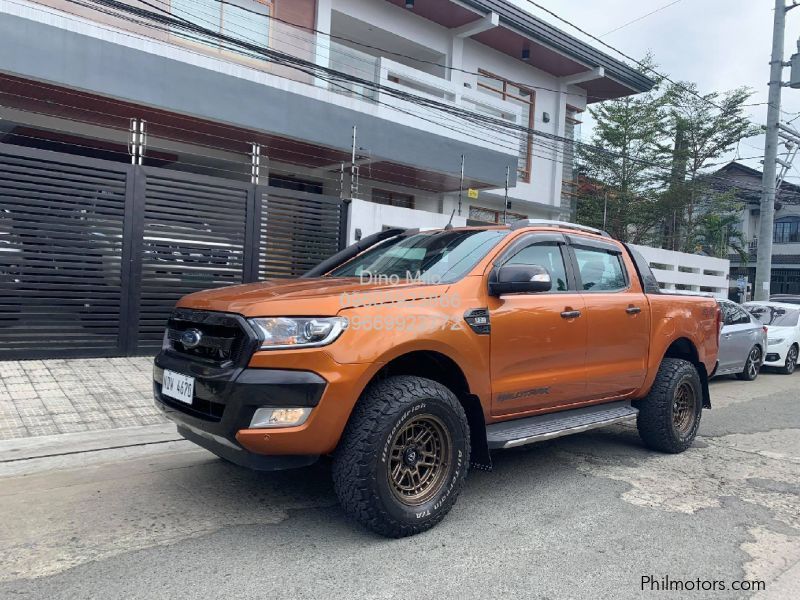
{"points": [[777, 316], [436, 257]]}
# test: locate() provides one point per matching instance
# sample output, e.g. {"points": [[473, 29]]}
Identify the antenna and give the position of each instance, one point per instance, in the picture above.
{"points": [[450, 222]]}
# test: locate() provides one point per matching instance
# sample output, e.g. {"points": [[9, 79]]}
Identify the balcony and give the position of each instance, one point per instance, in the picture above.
{"points": [[169, 70]]}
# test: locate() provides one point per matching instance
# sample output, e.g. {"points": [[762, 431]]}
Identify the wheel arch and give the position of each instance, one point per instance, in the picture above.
{"points": [[685, 349], [443, 369]]}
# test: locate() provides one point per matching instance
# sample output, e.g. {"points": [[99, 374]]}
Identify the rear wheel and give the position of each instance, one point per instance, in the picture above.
{"points": [[752, 366], [670, 414], [791, 361], [403, 457]]}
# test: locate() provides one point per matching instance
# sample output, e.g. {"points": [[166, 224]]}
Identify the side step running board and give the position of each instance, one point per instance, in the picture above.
{"points": [[552, 425]]}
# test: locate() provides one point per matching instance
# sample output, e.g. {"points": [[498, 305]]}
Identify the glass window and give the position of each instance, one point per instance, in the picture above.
{"points": [[787, 230], [740, 316], [526, 100], [440, 256], [547, 256], [247, 20], [773, 315], [600, 271]]}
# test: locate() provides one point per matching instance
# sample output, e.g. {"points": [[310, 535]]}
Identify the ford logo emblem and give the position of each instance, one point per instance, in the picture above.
{"points": [[191, 338]]}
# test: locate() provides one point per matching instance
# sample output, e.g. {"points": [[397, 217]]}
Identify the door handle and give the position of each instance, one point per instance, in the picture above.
{"points": [[633, 310], [570, 314]]}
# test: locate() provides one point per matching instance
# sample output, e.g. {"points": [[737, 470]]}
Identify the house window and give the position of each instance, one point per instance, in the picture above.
{"points": [[787, 230], [490, 215], [392, 198], [246, 20], [526, 99]]}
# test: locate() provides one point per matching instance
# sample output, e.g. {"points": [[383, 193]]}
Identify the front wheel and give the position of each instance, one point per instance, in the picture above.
{"points": [[670, 414], [751, 367], [403, 457], [791, 361]]}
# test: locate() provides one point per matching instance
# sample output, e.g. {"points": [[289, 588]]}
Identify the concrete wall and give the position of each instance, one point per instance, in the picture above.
{"points": [[371, 218], [679, 271]]}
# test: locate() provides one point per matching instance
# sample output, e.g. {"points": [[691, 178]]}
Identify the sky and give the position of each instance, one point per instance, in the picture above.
{"points": [[718, 44]]}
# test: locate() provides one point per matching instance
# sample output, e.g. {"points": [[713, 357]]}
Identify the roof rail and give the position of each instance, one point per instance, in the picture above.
{"points": [[562, 224]]}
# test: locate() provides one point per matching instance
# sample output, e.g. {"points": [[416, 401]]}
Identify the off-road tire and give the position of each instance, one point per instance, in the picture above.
{"points": [[755, 359], [656, 419], [791, 361], [361, 474]]}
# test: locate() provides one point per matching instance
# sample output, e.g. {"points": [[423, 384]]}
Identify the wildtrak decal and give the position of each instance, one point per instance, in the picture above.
{"points": [[540, 391]]}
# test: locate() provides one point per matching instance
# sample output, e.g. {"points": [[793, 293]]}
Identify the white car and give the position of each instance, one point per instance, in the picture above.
{"points": [[783, 333]]}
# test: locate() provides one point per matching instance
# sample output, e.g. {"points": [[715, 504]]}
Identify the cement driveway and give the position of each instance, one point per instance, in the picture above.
{"points": [[580, 517]]}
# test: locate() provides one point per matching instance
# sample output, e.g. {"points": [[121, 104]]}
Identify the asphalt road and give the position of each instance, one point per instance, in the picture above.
{"points": [[580, 517]]}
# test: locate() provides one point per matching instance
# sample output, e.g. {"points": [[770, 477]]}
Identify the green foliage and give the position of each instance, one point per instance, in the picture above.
{"points": [[623, 164], [645, 173]]}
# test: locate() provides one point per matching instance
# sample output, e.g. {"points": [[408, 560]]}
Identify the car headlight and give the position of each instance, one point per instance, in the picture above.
{"points": [[774, 341], [291, 332]]}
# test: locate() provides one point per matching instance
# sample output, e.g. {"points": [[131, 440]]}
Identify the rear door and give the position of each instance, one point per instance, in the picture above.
{"points": [[737, 337], [538, 341], [617, 317]]}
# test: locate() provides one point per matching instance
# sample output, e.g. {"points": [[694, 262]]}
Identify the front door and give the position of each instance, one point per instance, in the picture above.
{"points": [[617, 319], [538, 341]]}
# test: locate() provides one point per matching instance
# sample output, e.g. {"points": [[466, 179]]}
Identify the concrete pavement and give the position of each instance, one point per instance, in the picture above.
{"points": [[67, 396], [580, 517]]}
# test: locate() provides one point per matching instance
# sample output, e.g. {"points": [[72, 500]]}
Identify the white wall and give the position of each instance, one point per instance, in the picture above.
{"points": [[546, 164], [679, 271], [371, 218]]}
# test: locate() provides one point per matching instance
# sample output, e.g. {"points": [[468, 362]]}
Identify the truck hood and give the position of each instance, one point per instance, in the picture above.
{"points": [[316, 296]]}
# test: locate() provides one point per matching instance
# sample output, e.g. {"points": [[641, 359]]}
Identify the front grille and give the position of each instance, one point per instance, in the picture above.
{"points": [[202, 409], [220, 337]]}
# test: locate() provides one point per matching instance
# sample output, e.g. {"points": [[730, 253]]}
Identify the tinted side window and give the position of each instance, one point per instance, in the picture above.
{"points": [[547, 256], [727, 312], [600, 271], [740, 317]]}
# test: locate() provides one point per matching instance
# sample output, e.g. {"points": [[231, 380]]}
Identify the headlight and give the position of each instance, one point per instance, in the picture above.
{"points": [[290, 332], [774, 341]]}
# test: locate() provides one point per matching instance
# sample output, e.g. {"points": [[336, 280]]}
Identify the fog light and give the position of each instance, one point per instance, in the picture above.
{"points": [[279, 417]]}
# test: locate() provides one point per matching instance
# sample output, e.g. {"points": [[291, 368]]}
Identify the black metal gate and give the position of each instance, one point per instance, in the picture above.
{"points": [[94, 254]]}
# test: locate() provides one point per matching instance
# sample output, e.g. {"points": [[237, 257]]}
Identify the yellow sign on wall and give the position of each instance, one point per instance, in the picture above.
{"points": [[472, 193]]}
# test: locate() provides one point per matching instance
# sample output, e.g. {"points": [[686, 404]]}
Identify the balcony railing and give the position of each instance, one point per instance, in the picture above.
{"points": [[325, 52]]}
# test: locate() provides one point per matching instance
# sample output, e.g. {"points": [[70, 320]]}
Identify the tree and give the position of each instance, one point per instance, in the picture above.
{"points": [[703, 127], [623, 164], [718, 228]]}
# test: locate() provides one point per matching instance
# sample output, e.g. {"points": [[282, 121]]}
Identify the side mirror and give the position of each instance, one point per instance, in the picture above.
{"points": [[526, 279]]}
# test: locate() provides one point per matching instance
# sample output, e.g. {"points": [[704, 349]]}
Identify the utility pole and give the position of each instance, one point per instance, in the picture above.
{"points": [[764, 257]]}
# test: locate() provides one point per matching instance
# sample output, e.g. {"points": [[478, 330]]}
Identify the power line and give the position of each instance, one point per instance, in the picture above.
{"points": [[637, 19], [627, 56]]}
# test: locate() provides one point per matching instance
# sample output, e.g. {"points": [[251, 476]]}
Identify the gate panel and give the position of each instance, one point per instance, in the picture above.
{"points": [[298, 231], [61, 230], [193, 239]]}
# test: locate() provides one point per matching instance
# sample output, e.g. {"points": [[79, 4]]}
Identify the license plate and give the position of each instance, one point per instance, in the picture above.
{"points": [[175, 385]]}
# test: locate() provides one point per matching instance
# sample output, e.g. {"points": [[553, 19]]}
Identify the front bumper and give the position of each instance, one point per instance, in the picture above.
{"points": [[292, 378], [225, 400]]}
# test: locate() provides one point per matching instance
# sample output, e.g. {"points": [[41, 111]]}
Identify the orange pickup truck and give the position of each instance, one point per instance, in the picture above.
{"points": [[411, 355]]}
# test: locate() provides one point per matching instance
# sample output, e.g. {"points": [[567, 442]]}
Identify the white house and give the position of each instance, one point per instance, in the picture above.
{"points": [[152, 148], [486, 56]]}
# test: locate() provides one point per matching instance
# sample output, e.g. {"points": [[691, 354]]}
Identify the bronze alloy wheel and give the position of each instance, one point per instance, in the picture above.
{"points": [[683, 408], [419, 460]]}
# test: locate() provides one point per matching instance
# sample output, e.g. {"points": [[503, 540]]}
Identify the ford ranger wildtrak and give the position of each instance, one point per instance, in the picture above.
{"points": [[411, 355]]}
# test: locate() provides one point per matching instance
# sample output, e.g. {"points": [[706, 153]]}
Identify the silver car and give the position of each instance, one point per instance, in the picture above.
{"points": [[742, 343]]}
